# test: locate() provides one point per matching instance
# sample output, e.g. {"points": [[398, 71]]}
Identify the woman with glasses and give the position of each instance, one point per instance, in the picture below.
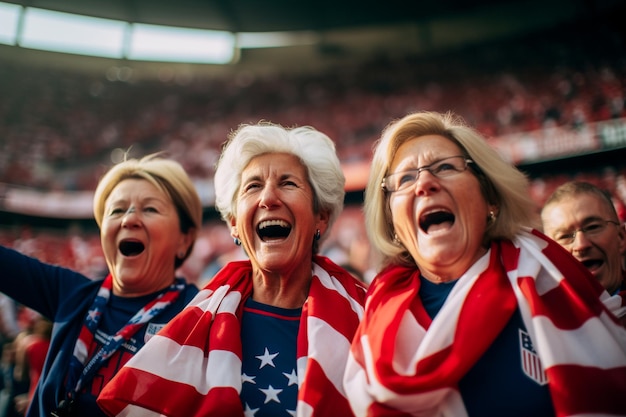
{"points": [[474, 312], [583, 219]]}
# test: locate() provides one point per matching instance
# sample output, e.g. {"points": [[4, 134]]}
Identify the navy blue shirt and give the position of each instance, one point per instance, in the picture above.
{"points": [[64, 296], [269, 340], [505, 380]]}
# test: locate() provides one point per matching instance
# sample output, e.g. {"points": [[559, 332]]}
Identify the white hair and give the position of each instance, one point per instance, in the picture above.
{"points": [[315, 150]]}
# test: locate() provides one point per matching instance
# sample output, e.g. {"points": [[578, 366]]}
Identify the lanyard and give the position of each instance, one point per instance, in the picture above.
{"points": [[80, 373]]}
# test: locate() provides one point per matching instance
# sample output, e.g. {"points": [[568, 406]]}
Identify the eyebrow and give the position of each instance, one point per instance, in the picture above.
{"points": [[144, 200]]}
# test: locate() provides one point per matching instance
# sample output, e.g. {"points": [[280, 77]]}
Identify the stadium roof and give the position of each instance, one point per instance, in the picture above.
{"points": [[268, 15], [343, 30]]}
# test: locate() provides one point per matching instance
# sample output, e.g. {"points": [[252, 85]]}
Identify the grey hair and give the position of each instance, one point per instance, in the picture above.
{"points": [[316, 151], [501, 183], [575, 188]]}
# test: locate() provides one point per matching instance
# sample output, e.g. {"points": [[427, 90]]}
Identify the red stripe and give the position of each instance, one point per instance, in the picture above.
{"points": [[579, 390], [573, 311], [317, 391], [155, 394], [325, 304], [182, 333]]}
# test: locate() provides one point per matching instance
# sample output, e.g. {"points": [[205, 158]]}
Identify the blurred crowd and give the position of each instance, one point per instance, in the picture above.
{"points": [[59, 130]]}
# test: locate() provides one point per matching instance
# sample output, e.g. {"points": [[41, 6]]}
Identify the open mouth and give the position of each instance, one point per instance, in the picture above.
{"points": [[592, 264], [273, 230], [131, 247], [435, 220]]}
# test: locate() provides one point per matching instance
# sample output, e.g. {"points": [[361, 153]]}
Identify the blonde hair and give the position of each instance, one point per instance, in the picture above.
{"points": [[501, 183], [165, 174]]}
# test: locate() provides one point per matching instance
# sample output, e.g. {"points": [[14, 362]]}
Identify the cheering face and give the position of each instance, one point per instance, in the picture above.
{"points": [[441, 221], [275, 220], [599, 249], [141, 237]]}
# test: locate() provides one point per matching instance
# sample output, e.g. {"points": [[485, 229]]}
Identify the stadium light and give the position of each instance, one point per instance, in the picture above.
{"points": [[9, 18], [70, 33], [172, 44]]}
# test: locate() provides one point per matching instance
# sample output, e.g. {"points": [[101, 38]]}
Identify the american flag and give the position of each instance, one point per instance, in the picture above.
{"points": [[401, 363], [531, 364], [192, 367]]}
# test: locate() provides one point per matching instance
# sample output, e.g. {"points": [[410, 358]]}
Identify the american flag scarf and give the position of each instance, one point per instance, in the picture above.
{"points": [[192, 367], [80, 370], [398, 368]]}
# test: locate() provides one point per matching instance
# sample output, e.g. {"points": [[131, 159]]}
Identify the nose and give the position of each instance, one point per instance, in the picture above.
{"points": [[581, 242], [131, 218], [426, 183], [269, 197]]}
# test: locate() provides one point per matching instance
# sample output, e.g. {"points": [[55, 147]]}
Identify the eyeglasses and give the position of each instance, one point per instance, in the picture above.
{"points": [[592, 229], [443, 168]]}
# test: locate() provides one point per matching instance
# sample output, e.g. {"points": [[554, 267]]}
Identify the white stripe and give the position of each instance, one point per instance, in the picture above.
{"points": [[356, 384], [301, 365], [613, 303], [169, 360], [444, 402], [304, 410], [201, 296], [442, 330], [80, 351], [330, 349], [373, 385], [599, 334], [221, 301], [408, 341]]}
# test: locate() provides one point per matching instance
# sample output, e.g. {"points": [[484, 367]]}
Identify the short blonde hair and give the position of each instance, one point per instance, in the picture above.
{"points": [[165, 174], [502, 184]]}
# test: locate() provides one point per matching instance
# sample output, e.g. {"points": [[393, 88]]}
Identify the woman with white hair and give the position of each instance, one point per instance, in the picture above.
{"points": [[268, 336]]}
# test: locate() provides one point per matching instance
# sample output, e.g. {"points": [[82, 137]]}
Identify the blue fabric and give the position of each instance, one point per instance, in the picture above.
{"points": [[492, 384], [64, 297], [269, 339]]}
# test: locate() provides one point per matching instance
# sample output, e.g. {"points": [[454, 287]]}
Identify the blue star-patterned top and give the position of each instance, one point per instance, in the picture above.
{"points": [[269, 339]]}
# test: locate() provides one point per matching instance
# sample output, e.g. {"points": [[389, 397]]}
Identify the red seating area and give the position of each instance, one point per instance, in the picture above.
{"points": [[60, 129]]}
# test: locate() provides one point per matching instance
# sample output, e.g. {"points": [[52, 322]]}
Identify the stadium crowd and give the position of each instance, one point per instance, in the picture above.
{"points": [[59, 129]]}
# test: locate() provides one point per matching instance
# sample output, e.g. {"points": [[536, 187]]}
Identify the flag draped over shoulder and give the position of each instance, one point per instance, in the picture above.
{"points": [[395, 364], [192, 367]]}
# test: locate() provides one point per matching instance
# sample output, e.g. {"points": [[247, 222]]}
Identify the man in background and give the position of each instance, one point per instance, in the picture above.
{"points": [[582, 218]]}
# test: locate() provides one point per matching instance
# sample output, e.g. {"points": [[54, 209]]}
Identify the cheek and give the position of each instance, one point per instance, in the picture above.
{"points": [[401, 209]]}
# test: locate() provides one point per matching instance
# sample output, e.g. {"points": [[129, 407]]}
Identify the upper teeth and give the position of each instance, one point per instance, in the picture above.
{"points": [[268, 223]]}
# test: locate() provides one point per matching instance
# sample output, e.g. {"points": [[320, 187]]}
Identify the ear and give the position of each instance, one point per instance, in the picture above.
{"points": [[322, 221], [187, 239], [233, 227]]}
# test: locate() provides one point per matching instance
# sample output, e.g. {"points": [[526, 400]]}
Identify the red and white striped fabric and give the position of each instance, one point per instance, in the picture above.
{"points": [[192, 367], [402, 363]]}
